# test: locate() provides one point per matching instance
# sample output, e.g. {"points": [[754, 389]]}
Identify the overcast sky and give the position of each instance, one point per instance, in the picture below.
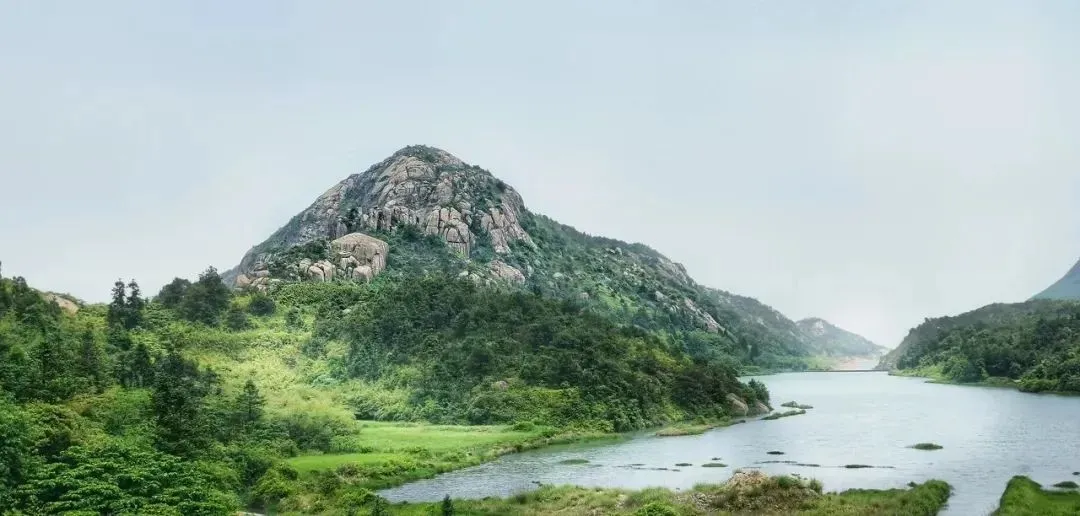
{"points": [[872, 163]]}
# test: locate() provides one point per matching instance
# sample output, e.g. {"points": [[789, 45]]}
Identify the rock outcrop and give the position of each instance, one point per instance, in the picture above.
{"points": [[64, 303], [420, 186]]}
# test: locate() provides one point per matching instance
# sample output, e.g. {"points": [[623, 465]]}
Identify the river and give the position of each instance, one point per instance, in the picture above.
{"points": [[988, 434]]}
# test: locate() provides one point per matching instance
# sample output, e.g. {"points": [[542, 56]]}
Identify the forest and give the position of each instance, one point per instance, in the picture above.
{"points": [[1034, 346], [202, 400]]}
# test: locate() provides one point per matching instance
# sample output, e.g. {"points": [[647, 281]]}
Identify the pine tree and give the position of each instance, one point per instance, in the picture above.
{"points": [[133, 308], [172, 295], [90, 361], [177, 401], [206, 300], [249, 408], [117, 312], [137, 370]]}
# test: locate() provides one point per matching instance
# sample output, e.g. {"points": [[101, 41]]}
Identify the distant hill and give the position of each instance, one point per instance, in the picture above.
{"points": [[1068, 287], [827, 339], [1035, 345], [370, 224]]}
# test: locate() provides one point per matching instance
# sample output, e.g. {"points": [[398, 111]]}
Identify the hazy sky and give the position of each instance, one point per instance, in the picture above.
{"points": [[872, 163]]}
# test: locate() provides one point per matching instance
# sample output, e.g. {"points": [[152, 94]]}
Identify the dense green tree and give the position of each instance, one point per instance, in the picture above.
{"points": [[16, 459], [92, 361], [206, 300], [249, 405], [178, 391], [261, 305], [236, 319], [118, 305], [116, 477], [136, 369], [172, 294], [447, 506], [133, 306]]}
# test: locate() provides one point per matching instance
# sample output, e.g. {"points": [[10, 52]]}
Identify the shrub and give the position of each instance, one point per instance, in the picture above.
{"points": [[261, 305], [656, 509]]}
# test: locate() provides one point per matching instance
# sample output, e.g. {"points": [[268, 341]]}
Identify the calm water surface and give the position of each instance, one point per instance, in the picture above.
{"points": [[989, 435]]}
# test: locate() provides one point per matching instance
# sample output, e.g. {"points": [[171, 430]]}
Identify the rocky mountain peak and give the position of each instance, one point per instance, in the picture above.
{"points": [[421, 186]]}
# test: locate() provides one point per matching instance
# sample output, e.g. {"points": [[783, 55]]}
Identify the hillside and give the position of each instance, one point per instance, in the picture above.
{"points": [[1035, 345], [829, 340], [1068, 287], [369, 224]]}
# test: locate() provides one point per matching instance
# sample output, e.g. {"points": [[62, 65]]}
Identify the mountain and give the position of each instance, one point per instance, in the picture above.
{"points": [[829, 340], [1035, 345], [1068, 287], [384, 220]]}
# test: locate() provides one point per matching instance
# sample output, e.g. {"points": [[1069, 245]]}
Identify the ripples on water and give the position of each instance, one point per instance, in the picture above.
{"points": [[989, 435]]}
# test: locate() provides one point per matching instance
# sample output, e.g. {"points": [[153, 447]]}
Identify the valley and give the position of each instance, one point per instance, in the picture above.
{"points": [[418, 333]]}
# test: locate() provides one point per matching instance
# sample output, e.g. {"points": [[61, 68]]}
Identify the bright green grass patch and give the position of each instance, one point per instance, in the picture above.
{"points": [[772, 496], [694, 429], [1025, 497], [386, 454]]}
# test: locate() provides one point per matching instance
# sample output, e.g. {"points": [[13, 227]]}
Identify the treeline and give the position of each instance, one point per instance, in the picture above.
{"points": [[100, 413], [478, 355], [1036, 343]]}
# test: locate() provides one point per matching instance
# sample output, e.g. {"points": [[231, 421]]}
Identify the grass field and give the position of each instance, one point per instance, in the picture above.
{"points": [[1025, 497], [394, 453]]}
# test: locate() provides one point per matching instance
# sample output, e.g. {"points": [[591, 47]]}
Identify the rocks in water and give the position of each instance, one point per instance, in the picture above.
{"points": [[574, 461], [926, 446], [736, 405], [774, 452], [795, 405], [759, 408], [1068, 484], [779, 415], [683, 464], [714, 465]]}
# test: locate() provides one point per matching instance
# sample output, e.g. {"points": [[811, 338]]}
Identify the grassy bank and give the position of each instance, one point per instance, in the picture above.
{"points": [[681, 429], [388, 454], [934, 374], [1025, 497], [749, 492]]}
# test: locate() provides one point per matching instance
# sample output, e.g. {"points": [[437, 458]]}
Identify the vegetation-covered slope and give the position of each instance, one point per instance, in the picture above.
{"points": [[426, 191], [829, 340], [208, 396], [1068, 287], [1036, 343]]}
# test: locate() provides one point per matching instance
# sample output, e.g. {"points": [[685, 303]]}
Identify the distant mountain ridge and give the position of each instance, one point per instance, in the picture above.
{"points": [[369, 224], [1068, 287], [827, 339]]}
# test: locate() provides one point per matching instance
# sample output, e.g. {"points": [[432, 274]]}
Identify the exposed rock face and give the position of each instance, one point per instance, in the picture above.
{"points": [[421, 186], [64, 303], [706, 319], [502, 271], [359, 255]]}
